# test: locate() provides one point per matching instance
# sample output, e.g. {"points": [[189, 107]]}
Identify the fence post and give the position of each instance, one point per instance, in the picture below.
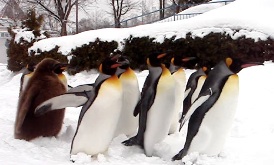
{"points": [[174, 13]]}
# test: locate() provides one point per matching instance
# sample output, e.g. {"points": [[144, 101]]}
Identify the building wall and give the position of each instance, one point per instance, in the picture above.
{"points": [[3, 46]]}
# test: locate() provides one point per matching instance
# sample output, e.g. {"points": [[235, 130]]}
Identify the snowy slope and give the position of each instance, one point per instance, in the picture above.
{"points": [[253, 19]]}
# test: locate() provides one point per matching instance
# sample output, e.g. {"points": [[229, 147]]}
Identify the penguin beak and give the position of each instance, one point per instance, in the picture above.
{"points": [[249, 64], [161, 55], [63, 66], [116, 65], [188, 59]]}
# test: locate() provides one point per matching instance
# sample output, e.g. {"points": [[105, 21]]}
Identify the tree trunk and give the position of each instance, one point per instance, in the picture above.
{"points": [[64, 29], [161, 10]]}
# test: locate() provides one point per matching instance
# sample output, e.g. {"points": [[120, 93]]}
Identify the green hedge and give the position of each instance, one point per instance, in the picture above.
{"points": [[90, 55], [209, 49]]}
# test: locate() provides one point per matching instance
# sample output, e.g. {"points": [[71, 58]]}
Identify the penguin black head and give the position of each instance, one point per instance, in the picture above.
{"points": [[59, 68], [155, 59], [31, 66], [49, 65], [237, 64], [186, 62], [110, 64], [124, 61]]}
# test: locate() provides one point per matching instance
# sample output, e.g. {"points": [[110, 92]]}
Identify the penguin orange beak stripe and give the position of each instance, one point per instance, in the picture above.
{"points": [[115, 65], [188, 59], [161, 55], [64, 66]]}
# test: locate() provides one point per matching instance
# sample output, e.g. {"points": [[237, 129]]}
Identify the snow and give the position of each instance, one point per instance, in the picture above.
{"points": [[26, 35], [198, 9], [255, 21], [250, 141]]}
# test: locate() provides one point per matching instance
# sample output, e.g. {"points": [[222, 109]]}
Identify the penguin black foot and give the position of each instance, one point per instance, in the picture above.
{"points": [[130, 142], [178, 156]]}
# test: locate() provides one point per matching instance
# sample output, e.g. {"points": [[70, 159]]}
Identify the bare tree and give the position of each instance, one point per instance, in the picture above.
{"points": [[179, 5], [59, 10], [162, 9], [96, 20], [120, 8], [183, 4]]}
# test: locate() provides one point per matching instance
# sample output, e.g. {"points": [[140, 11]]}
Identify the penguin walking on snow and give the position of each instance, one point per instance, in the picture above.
{"points": [[211, 115], [100, 112], [128, 123], [43, 85], [177, 71], [193, 88], [156, 106]]}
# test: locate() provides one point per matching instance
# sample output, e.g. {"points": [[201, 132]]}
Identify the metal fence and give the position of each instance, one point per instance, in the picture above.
{"points": [[170, 15]]}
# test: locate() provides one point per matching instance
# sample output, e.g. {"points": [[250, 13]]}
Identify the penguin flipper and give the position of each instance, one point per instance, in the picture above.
{"points": [[137, 108], [147, 96], [75, 99], [198, 102], [23, 108], [187, 92], [81, 88]]}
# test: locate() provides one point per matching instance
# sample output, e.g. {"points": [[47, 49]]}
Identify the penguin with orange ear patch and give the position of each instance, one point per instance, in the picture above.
{"points": [[156, 106], [26, 75], [100, 113], [43, 85], [211, 115], [178, 72], [128, 123], [193, 88]]}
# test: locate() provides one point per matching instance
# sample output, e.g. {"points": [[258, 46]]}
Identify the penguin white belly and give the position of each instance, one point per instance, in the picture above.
{"points": [[180, 85], [98, 124], [217, 122], [26, 80], [200, 83], [160, 114], [128, 123]]}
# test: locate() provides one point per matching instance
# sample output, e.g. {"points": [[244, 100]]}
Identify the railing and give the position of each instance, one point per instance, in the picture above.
{"points": [[170, 15]]}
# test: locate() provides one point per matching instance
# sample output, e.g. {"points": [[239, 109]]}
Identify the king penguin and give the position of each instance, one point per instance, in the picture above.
{"points": [[178, 72], [193, 88], [26, 75], [211, 115], [43, 85], [100, 113], [128, 123], [156, 106]]}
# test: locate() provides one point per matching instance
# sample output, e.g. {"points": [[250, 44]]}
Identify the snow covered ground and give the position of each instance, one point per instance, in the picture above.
{"points": [[250, 141], [251, 138]]}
